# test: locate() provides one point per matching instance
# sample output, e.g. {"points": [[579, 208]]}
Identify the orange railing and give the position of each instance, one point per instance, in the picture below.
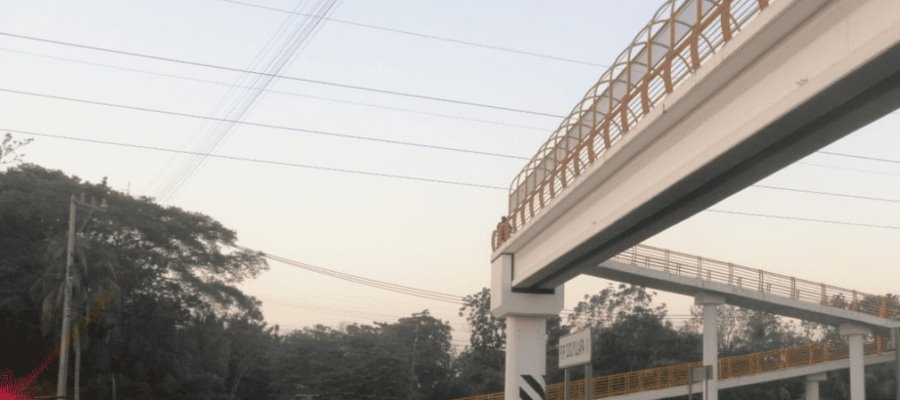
{"points": [[711, 270], [677, 375], [672, 46]]}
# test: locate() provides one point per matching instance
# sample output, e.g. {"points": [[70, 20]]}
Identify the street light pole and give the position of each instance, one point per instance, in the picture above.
{"points": [[62, 378]]}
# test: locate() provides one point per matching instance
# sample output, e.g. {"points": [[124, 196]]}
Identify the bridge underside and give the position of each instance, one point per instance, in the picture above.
{"points": [[739, 121]]}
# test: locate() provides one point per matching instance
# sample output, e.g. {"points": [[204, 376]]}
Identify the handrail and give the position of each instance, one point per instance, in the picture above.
{"points": [[677, 375], [678, 39], [739, 276]]}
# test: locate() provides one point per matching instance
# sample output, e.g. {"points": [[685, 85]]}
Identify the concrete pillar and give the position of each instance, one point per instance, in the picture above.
{"points": [[710, 305], [526, 356], [895, 340], [526, 316], [855, 336], [812, 385]]}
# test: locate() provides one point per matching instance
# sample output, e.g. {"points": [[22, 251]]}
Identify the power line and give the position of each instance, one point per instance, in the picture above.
{"points": [[802, 219], [861, 157], [242, 100], [397, 288], [833, 194], [425, 35], [369, 173], [262, 125], [254, 160], [860, 170], [285, 77], [281, 92]]}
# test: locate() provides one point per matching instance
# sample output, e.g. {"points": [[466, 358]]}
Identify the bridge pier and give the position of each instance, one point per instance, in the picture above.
{"points": [[856, 334], [895, 339], [812, 385], [526, 330], [710, 305]]}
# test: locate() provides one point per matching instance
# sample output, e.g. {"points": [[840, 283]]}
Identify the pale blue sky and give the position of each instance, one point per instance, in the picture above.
{"points": [[419, 234]]}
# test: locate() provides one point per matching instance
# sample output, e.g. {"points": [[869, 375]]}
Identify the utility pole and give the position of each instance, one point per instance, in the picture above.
{"points": [[65, 334], [62, 378]]}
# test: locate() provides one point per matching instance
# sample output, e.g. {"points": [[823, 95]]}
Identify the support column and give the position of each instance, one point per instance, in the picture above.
{"points": [[855, 336], [710, 305], [526, 356], [526, 316], [812, 385], [895, 340]]}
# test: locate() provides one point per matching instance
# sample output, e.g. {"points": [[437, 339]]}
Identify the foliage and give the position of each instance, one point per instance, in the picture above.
{"points": [[408, 359], [173, 272], [9, 148]]}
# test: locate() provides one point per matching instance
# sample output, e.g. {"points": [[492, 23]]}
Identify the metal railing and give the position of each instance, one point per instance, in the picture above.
{"points": [[711, 270], [671, 47], [677, 375]]}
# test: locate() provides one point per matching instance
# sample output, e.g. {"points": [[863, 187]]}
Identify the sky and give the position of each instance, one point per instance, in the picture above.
{"points": [[422, 234]]}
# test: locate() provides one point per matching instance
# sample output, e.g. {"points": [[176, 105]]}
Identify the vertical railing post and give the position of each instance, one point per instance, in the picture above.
{"points": [[667, 261], [730, 274], [760, 280]]}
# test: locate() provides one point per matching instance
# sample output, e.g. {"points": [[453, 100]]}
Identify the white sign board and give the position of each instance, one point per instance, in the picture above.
{"points": [[575, 349]]}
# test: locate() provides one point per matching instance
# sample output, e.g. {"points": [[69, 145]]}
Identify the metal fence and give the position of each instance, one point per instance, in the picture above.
{"points": [[677, 375]]}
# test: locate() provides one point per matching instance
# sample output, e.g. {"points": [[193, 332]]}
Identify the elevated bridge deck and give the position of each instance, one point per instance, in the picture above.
{"points": [[751, 288]]}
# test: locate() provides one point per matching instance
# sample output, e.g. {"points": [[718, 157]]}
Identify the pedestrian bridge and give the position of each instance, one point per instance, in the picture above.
{"points": [[710, 97], [751, 288], [736, 371]]}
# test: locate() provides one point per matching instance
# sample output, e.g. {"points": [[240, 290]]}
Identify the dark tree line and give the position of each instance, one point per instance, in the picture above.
{"points": [[158, 316]]}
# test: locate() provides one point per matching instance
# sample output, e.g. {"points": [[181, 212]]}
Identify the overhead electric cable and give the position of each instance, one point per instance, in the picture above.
{"points": [[281, 92], [425, 35], [860, 170], [833, 194], [404, 177], [802, 219], [242, 100], [292, 78], [861, 157], [254, 160], [263, 125], [423, 293]]}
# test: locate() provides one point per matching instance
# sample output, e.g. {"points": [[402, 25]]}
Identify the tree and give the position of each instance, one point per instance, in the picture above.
{"points": [[175, 270], [9, 148], [407, 359], [629, 332], [480, 367]]}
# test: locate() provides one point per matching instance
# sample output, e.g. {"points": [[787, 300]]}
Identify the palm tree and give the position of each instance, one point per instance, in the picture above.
{"points": [[94, 287]]}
